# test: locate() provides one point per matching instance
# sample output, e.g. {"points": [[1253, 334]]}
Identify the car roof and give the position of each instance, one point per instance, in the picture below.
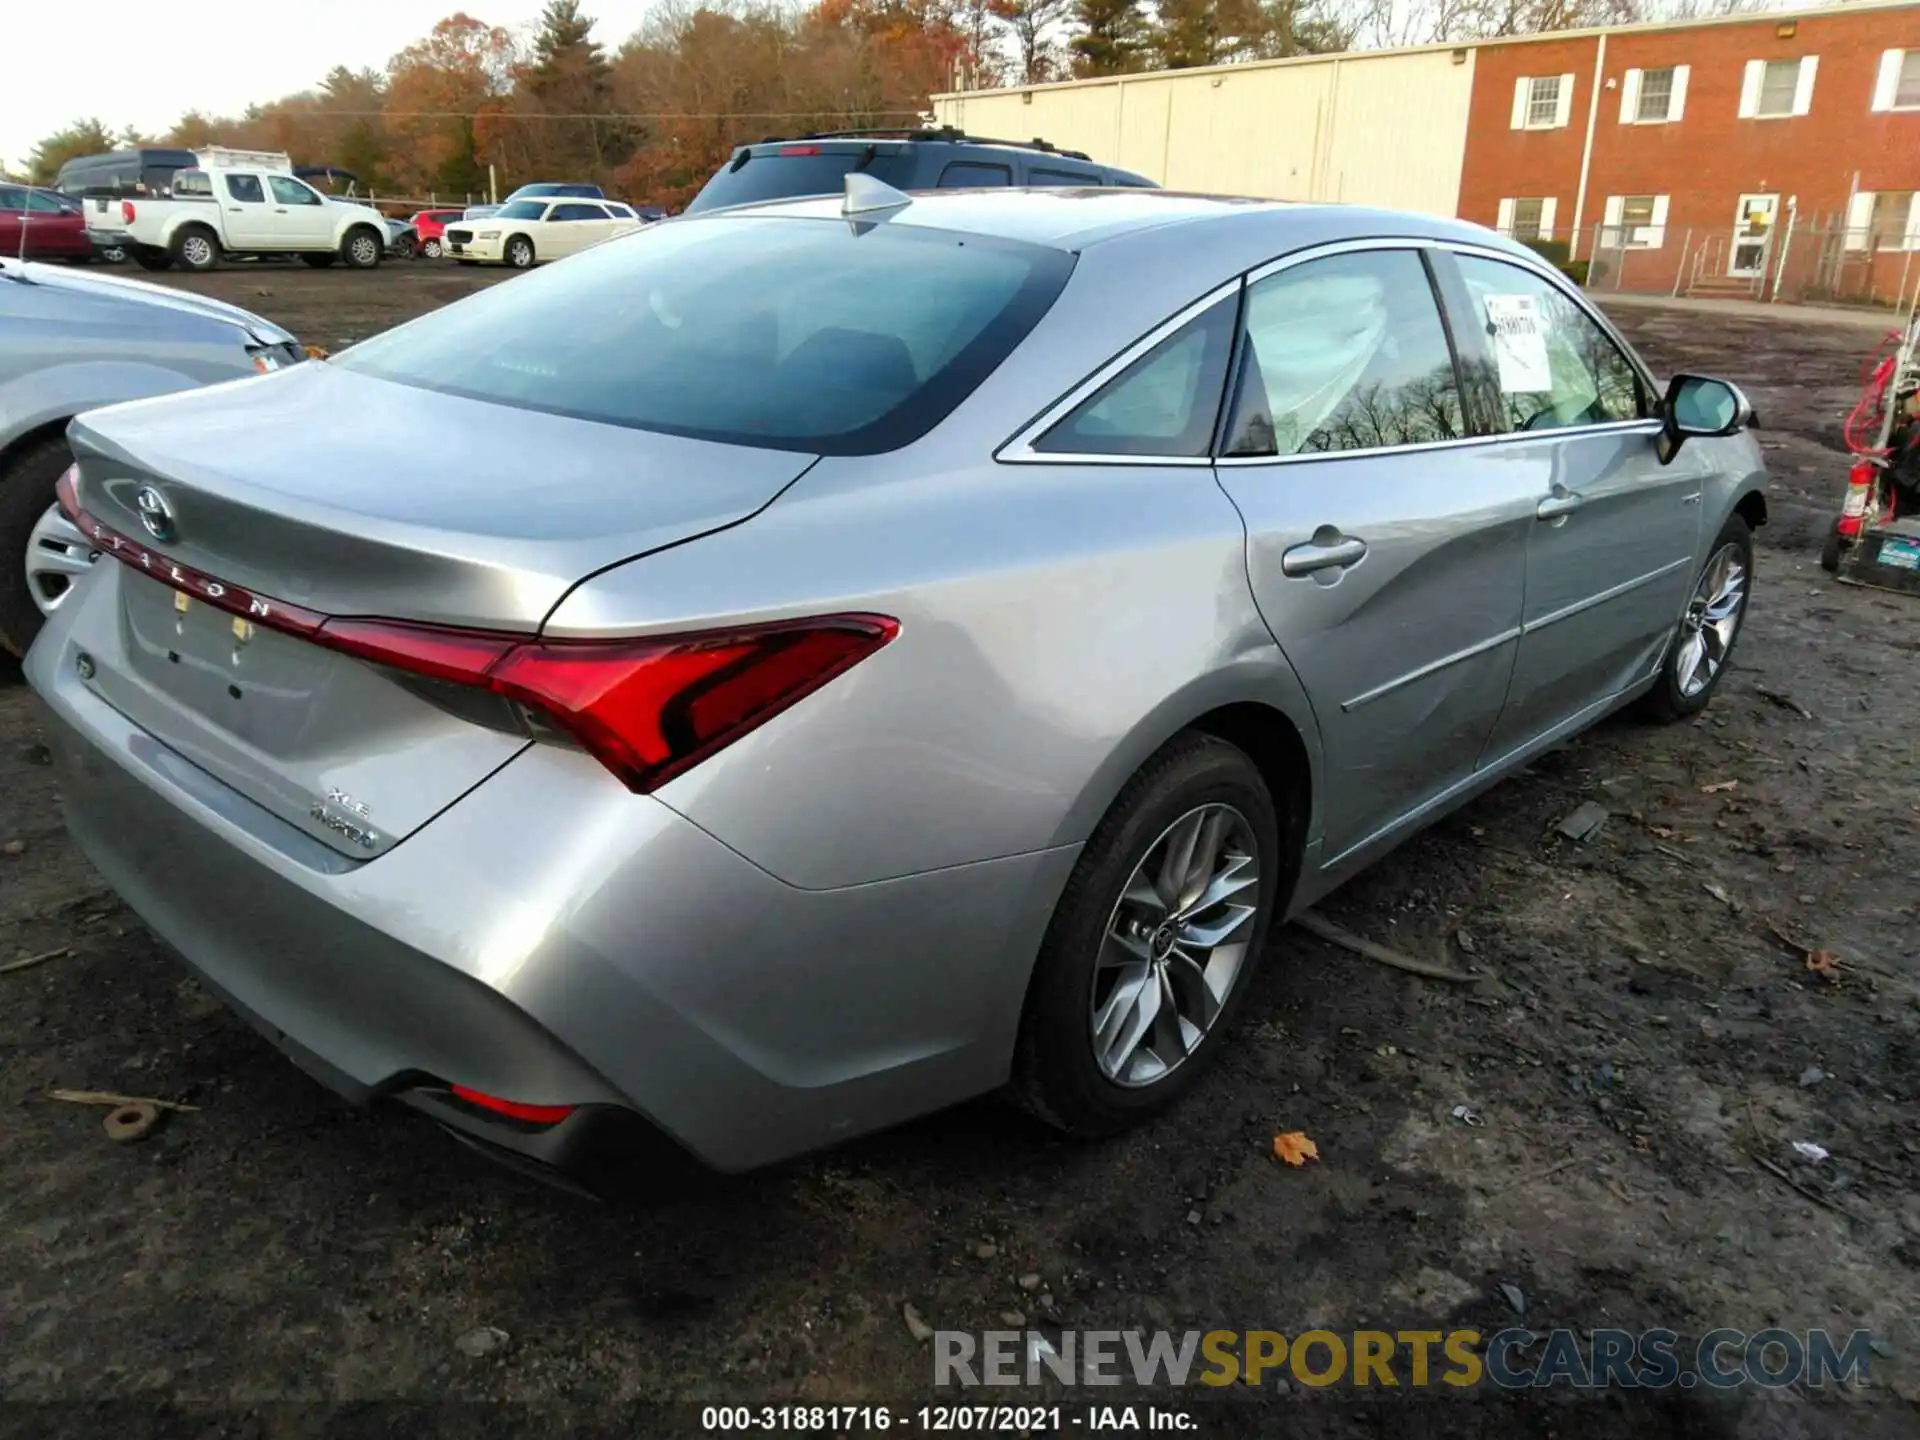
{"points": [[1073, 218]]}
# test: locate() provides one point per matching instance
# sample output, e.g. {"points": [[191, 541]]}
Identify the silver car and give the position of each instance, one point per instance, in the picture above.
{"points": [[69, 341], [790, 669]]}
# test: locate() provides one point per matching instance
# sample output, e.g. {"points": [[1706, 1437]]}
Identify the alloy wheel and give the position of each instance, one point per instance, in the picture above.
{"points": [[197, 251], [1712, 620], [1174, 945], [366, 250], [57, 555]]}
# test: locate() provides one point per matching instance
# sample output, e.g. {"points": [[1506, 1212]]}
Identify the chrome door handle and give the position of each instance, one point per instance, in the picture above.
{"points": [[1306, 559], [1558, 505]]}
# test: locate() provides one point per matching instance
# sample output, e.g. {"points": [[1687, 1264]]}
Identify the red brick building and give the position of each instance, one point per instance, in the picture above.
{"points": [[1702, 156]]}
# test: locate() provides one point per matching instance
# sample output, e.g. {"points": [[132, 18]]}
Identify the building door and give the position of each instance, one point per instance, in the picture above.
{"points": [[1753, 234]]}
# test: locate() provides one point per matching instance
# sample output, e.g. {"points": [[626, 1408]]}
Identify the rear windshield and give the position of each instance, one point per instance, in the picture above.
{"points": [[807, 171], [783, 333]]}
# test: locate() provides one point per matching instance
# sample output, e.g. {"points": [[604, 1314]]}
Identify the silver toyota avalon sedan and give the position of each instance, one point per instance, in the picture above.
{"points": [[797, 667]]}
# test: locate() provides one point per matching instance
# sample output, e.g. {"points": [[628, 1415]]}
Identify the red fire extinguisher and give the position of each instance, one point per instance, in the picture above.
{"points": [[1859, 495]]}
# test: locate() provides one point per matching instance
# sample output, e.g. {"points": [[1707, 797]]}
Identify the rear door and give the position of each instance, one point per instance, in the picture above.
{"points": [[1387, 558], [1612, 532], [245, 216]]}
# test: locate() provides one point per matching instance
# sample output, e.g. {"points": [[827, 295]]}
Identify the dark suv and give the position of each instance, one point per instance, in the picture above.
{"points": [[905, 159]]}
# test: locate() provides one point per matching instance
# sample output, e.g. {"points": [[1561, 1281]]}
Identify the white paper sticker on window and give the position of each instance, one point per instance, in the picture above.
{"points": [[1519, 344]]}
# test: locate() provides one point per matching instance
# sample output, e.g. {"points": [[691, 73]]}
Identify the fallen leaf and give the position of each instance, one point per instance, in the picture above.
{"points": [[1824, 964], [1295, 1148], [1719, 893], [1718, 787], [1664, 833]]}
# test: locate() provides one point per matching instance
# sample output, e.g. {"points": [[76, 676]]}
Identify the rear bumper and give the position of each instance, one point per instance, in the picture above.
{"points": [[552, 939]]}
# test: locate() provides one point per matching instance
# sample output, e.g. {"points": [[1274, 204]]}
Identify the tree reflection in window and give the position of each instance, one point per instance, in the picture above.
{"points": [[1345, 353]]}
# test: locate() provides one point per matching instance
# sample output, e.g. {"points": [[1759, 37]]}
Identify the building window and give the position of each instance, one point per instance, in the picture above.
{"points": [[1653, 97], [1891, 223], [1656, 95], [1635, 222], [1897, 87], [1773, 89], [1527, 218], [1542, 102]]}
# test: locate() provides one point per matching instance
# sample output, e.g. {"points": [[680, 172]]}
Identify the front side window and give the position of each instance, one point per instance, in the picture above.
{"points": [[522, 210], [46, 204], [1656, 95], [1552, 365], [776, 332], [1345, 353], [246, 189], [1164, 404], [12, 199], [290, 192]]}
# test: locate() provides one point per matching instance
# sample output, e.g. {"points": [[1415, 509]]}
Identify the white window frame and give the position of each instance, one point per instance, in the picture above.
{"points": [[1755, 75], [1676, 98], [1886, 82], [1509, 208], [1650, 236], [1522, 116]]}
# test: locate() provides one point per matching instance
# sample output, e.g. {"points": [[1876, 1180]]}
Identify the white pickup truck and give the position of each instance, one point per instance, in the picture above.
{"points": [[241, 204]]}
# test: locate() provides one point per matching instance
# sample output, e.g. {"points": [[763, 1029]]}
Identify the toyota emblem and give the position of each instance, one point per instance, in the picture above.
{"points": [[155, 513]]}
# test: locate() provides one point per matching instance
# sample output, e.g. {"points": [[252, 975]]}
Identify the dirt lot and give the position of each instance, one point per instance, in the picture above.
{"points": [[1646, 1040]]}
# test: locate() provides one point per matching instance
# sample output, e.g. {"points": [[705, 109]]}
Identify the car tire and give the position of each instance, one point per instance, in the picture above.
{"points": [[519, 253], [148, 258], [1702, 647], [26, 490], [362, 248], [1070, 1069], [196, 248], [319, 262], [1830, 550], [430, 249]]}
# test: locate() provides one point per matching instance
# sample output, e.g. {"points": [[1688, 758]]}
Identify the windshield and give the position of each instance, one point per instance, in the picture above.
{"points": [[796, 170], [522, 210], [754, 330]]}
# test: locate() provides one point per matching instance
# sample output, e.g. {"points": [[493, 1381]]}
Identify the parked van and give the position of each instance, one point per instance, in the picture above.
{"points": [[100, 182]]}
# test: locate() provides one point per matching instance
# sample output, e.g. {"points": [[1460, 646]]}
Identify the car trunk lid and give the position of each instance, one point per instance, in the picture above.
{"points": [[238, 524]]}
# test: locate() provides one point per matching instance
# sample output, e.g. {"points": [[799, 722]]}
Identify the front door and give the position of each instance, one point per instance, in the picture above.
{"points": [[300, 216], [1611, 542], [571, 228], [1753, 235], [1387, 562]]}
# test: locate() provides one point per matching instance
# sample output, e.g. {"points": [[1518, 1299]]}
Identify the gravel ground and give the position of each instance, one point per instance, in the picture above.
{"points": [[1644, 1043]]}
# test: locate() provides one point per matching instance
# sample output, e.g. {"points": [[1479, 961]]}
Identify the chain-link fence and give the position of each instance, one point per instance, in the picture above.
{"points": [[1802, 261]]}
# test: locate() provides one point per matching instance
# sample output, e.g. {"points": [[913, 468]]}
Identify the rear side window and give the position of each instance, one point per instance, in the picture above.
{"points": [[577, 211], [1164, 404], [245, 188], [767, 331], [1345, 353], [971, 175], [796, 170], [1038, 176]]}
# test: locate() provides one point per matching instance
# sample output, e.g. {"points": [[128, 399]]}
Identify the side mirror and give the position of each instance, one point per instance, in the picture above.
{"points": [[1700, 405]]}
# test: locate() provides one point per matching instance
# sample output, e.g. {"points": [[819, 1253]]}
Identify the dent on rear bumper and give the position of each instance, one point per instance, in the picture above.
{"points": [[555, 939]]}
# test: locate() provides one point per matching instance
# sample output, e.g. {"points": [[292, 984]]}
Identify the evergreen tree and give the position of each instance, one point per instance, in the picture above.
{"points": [[1113, 37]]}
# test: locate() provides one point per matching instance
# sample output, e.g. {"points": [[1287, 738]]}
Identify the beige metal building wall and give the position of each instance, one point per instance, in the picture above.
{"points": [[1376, 129]]}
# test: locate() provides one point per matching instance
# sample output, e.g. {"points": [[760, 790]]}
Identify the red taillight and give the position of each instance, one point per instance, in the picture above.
{"points": [[126, 211], [66, 493], [799, 150], [646, 709], [514, 1109]]}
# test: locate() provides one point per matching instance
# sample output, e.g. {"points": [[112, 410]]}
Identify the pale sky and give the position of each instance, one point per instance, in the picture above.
{"points": [[135, 62]]}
